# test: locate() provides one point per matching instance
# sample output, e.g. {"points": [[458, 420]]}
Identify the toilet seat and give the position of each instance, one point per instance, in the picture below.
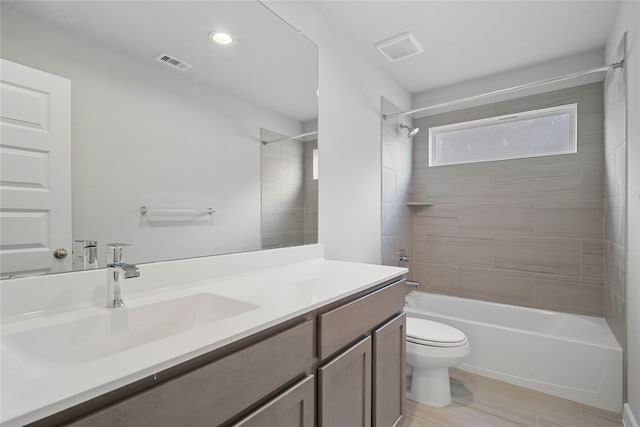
{"points": [[428, 333]]}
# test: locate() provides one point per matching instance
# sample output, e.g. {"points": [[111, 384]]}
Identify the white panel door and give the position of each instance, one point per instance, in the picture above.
{"points": [[35, 170]]}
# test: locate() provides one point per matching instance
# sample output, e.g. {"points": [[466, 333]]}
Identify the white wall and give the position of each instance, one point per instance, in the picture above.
{"points": [[143, 135], [513, 78], [350, 160], [628, 19]]}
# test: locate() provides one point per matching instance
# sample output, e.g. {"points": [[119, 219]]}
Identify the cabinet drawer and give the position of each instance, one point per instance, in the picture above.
{"points": [[212, 394], [293, 408], [339, 327]]}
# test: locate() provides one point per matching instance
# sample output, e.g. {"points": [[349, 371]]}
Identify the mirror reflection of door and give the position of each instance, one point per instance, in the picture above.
{"points": [[149, 133], [35, 173]]}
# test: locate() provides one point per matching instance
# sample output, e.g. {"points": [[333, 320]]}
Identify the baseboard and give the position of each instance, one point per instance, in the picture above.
{"points": [[627, 417]]}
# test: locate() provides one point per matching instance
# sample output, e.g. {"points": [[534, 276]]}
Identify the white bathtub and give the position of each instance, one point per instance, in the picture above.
{"points": [[566, 355]]}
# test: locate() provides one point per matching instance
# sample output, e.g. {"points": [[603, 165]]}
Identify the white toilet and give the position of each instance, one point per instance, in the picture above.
{"points": [[432, 348]]}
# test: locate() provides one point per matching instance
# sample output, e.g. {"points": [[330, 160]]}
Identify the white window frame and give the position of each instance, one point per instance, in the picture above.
{"points": [[572, 109]]}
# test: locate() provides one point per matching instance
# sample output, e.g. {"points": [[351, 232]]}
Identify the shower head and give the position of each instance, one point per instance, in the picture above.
{"points": [[412, 131]]}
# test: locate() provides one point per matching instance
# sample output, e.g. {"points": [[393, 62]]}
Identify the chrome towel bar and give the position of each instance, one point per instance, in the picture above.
{"points": [[168, 211]]}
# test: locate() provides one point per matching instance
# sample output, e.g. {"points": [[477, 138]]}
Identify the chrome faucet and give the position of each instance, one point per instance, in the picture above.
{"points": [[402, 257], [117, 271], [89, 255]]}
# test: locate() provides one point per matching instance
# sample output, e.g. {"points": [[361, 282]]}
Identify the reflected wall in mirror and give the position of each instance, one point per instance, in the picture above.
{"points": [[177, 140], [289, 188]]}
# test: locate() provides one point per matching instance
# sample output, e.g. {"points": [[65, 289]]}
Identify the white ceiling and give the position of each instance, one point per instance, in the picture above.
{"points": [[464, 40], [269, 62]]}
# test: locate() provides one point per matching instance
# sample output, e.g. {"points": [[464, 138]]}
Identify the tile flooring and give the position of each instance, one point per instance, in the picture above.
{"points": [[483, 402]]}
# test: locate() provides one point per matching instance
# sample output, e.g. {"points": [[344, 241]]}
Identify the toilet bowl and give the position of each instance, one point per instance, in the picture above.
{"points": [[432, 348]]}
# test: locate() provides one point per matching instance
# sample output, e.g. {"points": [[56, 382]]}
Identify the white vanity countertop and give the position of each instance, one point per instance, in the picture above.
{"points": [[34, 387]]}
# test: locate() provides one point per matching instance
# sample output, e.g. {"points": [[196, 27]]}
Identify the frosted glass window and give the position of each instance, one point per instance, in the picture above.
{"points": [[529, 134]]}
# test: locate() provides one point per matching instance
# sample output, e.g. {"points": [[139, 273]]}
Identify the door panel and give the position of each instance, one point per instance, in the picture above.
{"points": [[35, 170]]}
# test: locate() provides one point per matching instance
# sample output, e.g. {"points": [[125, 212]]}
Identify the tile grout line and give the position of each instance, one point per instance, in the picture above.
{"points": [[581, 414]]}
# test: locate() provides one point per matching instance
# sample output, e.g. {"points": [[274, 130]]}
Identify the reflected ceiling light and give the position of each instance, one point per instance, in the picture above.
{"points": [[221, 38]]}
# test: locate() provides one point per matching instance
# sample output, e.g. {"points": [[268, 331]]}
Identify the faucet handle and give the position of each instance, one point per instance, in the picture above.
{"points": [[115, 252]]}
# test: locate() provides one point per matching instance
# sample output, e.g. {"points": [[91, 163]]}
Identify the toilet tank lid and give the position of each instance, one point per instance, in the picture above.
{"points": [[427, 330]]}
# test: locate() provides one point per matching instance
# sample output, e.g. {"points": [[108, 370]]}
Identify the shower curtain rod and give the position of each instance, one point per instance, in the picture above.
{"points": [[286, 138], [508, 90]]}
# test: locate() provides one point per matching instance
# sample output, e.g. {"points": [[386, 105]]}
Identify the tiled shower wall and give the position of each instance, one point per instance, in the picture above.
{"points": [[615, 201], [310, 195], [289, 205], [396, 186], [527, 232]]}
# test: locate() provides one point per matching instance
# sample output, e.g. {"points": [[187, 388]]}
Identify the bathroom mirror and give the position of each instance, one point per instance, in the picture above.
{"points": [[166, 127]]}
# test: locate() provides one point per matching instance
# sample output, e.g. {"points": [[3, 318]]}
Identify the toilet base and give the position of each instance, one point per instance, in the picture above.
{"points": [[430, 386]]}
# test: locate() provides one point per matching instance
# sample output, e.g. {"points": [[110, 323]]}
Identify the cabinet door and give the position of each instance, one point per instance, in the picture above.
{"points": [[293, 408], [345, 388], [389, 351]]}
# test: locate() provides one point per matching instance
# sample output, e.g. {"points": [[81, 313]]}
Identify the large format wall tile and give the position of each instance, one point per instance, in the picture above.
{"points": [[475, 251], [497, 219], [396, 188], [592, 179], [590, 127], [289, 206], [442, 279], [540, 182], [592, 259], [418, 249], [460, 188], [615, 269], [435, 226], [541, 255], [521, 231], [499, 286], [442, 249], [615, 176], [568, 294], [581, 219]]}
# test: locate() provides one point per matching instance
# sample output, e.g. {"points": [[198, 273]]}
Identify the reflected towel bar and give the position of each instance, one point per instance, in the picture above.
{"points": [[167, 211]]}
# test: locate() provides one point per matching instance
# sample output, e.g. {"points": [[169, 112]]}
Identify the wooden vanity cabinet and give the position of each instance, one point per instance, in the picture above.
{"points": [[362, 384], [389, 355], [344, 386], [293, 408], [339, 365], [213, 394]]}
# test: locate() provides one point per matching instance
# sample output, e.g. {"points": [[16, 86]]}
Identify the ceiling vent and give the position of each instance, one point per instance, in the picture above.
{"points": [[173, 62], [400, 47]]}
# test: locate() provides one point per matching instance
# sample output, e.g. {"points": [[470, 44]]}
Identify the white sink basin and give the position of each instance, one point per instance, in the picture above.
{"points": [[73, 342]]}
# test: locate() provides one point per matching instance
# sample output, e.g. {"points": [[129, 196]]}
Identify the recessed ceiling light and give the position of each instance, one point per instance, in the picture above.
{"points": [[221, 38]]}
